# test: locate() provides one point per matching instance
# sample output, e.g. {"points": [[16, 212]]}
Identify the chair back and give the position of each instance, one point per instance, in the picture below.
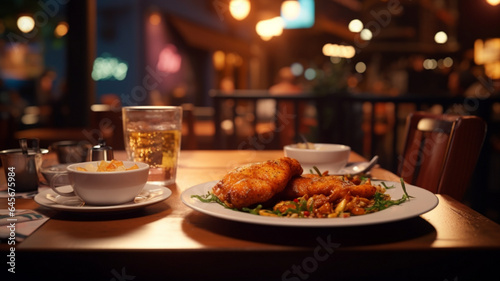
{"points": [[441, 151]]}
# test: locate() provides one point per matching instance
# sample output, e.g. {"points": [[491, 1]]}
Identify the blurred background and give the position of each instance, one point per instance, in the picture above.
{"points": [[352, 70]]}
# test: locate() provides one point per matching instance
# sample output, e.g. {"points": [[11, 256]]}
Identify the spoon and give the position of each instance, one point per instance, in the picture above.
{"points": [[305, 141], [359, 167], [147, 195]]}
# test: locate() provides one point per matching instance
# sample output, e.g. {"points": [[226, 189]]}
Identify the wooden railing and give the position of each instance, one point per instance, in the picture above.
{"points": [[340, 116]]}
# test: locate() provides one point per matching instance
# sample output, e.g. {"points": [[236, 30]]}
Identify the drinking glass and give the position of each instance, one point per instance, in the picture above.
{"points": [[152, 135]]}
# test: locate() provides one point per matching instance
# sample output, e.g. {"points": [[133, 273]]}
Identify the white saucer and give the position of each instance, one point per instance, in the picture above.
{"points": [[74, 204]]}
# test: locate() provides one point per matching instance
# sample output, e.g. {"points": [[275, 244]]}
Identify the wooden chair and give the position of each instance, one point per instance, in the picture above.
{"points": [[441, 151]]}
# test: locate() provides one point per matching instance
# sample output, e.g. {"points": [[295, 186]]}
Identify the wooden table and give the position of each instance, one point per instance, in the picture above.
{"points": [[170, 241]]}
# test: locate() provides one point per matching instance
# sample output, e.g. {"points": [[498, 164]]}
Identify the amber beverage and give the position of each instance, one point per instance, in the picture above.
{"points": [[152, 135]]}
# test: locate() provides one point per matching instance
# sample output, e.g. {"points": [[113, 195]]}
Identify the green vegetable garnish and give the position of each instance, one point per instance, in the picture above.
{"points": [[210, 198], [387, 187], [254, 211], [381, 203], [317, 171]]}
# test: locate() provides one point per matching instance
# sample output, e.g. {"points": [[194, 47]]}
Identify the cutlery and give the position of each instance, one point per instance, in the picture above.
{"points": [[74, 202], [148, 195], [359, 167]]}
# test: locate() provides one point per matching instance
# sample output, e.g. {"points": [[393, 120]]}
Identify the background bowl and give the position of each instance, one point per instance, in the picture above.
{"points": [[71, 151], [108, 188], [326, 157]]}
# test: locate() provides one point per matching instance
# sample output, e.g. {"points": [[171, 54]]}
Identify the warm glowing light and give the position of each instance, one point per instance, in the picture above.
{"points": [[366, 34], [269, 28], [266, 38], [487, 53], [219, 60], [155, 18], [169, 59], [239, 9], [290, 9], [448, 62], [441, 37], [25, 23], [360, 67], [355, 25], [430, 64], [340, 51], [493, 2], [61, 29]]}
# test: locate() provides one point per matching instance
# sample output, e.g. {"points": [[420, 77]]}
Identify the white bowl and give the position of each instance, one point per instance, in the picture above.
{"points": [[326, 157], [107, 188]]}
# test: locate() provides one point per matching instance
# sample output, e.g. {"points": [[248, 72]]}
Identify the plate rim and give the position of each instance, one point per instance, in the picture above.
{"points": [[429, 202], [42, 201]]}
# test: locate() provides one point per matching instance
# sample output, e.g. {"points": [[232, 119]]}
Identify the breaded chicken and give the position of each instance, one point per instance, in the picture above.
{"points": [[256, 183], [334, 187]]}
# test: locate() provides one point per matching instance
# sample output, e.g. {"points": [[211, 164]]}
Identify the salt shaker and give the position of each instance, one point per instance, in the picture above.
{"points": [[101, 152]]}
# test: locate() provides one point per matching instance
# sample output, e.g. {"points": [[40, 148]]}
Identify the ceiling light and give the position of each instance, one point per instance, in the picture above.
{"points": [[366, 34], [25, 23], [269, 28], [290, 9], [239, 8], [355, 25], [441, 37]]}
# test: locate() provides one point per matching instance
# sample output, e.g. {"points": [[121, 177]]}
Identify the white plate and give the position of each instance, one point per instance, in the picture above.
{"points": [[69, 203], [422, 202]]}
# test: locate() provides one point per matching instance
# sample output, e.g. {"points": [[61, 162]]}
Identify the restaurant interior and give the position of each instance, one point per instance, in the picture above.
{"points": [[354, 70], [82, 61]]}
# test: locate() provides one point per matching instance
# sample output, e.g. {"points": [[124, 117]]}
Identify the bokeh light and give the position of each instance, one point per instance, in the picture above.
{"points": [[355, 25], [61, 29], [297, 69], [239, 9], [441, 37], [310, 74], [25, 23], [366, 34], [360, 67], [290, 9]]}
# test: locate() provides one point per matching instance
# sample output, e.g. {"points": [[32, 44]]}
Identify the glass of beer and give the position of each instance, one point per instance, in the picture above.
{"points": [[152, 135]]}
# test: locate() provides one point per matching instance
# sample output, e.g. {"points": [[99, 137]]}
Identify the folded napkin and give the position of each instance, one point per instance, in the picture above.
{"points": [[21, 224]]}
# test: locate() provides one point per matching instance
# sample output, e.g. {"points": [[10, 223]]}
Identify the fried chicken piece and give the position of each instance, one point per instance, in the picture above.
{"points": [[334, 187], [256, 183]]}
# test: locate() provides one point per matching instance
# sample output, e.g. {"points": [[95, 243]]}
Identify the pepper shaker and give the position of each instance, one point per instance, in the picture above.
{"points": [[101, 152]]}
